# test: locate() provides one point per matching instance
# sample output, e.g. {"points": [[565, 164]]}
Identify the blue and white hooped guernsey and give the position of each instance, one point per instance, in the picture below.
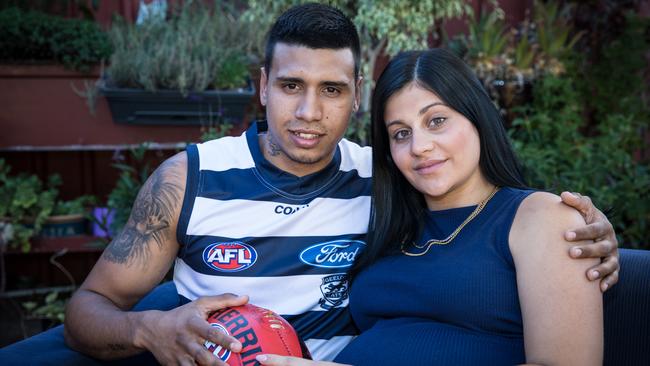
{"points": [[247, 227]]}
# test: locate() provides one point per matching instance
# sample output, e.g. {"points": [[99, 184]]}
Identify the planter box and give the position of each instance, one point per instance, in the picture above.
{"points": [[64, 225], [42, 111], [167, 107], [59, 226]]}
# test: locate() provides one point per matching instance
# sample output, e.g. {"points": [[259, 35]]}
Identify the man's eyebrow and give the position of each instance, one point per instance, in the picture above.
{"points": [[288, 79], [340, 84]]}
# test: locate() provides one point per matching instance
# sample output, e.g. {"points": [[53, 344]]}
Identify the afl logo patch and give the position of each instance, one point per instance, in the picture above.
{"points": [[218, 350], [232, 256]]}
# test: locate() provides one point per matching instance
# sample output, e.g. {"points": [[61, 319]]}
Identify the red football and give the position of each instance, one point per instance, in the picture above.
{"points": [[259, 330]]}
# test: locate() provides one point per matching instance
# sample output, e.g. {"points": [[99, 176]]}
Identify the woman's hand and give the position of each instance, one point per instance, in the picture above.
{"points": [[275, 360], [601, 231]]}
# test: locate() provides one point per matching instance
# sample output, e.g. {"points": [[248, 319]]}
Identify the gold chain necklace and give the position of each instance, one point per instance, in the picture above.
{"points": [[453, 235]]}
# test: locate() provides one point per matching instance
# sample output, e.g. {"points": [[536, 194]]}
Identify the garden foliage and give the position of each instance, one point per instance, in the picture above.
{"points": [[586, 131], [31, 36], [194, 49], [132, 178], [26, 203]]}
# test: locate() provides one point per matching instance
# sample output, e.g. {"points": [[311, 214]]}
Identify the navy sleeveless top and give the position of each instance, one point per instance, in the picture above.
{"points": [[455, 305]]}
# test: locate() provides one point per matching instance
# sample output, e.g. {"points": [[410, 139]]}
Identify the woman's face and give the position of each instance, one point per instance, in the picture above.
{"points": [[436, 148]]}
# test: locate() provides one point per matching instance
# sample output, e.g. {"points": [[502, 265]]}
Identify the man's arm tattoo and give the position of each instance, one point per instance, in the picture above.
{"points": [[151, 217], [117, 347]]}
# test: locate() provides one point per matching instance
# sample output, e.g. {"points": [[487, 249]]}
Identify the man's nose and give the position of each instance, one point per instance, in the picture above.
{"points": [[310, 108]]}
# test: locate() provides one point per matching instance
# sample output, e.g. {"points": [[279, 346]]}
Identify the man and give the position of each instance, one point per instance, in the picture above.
{"points": [[278, 213]]}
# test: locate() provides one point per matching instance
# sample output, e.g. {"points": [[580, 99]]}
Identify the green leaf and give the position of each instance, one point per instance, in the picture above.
{"points": [[51, 297]]}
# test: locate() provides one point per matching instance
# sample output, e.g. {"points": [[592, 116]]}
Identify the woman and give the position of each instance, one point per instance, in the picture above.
{"points": [[464, 265]]}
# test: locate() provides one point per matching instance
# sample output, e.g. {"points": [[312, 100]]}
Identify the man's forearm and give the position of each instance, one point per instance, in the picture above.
{"points": [[97, 327]]}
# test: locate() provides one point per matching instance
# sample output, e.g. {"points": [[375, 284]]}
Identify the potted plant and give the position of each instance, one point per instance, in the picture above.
{"points": [[190, 68], [68, 218], [25, 205], [29, 208]]}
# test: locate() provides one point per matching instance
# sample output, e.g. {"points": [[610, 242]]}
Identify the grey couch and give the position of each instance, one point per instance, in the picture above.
{"points": [[627, 323]]}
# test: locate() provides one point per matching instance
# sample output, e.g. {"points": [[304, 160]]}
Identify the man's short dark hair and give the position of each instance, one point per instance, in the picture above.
{"points": [[316, 26]]}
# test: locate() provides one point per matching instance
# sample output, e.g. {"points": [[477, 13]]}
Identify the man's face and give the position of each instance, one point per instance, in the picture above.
{"points": [[309, 95]]}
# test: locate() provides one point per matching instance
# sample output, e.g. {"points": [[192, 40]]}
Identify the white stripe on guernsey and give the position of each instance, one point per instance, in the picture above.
{"points": [[211, 154], [287, 295], [356, 157], [327, 349], [323, 217]]}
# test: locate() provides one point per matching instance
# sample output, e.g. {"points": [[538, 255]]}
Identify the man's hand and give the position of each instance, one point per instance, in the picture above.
{"points": [[275, 360], [176, 337], [600, 230]]}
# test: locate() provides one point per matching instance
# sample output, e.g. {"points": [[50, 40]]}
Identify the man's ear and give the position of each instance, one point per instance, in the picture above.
{"points": [[263, 86], [357, 94]]}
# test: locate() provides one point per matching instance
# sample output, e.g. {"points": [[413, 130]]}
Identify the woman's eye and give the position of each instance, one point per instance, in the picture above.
{"points": [[401, 135], [437, 121]]}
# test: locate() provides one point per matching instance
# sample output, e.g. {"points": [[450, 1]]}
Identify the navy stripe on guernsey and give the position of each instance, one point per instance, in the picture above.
{"points": [[269, 257], [247, 227], [243, 184]]}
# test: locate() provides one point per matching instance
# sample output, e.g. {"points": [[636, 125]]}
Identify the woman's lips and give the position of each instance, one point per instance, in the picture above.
{"points": [[429, 166]]}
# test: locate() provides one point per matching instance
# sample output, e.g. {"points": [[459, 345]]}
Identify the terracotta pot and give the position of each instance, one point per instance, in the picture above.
{"points": [[64, 225]]}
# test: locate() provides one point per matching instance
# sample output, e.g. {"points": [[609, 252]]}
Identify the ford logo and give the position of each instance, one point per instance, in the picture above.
{"points": [[333, 254]]}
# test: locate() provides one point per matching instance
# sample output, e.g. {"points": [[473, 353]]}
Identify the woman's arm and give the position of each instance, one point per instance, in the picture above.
{"points": [[562, 310]]}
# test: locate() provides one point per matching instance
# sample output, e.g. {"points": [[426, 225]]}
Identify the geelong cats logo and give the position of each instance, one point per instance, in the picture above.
{"points": [[334, 289]]}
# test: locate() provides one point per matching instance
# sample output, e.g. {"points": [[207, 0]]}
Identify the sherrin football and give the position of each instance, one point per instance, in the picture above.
{"points": [[259, 330]]}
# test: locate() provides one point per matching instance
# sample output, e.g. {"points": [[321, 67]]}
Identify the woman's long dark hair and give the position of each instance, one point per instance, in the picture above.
{"points": [[397, 208]]}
